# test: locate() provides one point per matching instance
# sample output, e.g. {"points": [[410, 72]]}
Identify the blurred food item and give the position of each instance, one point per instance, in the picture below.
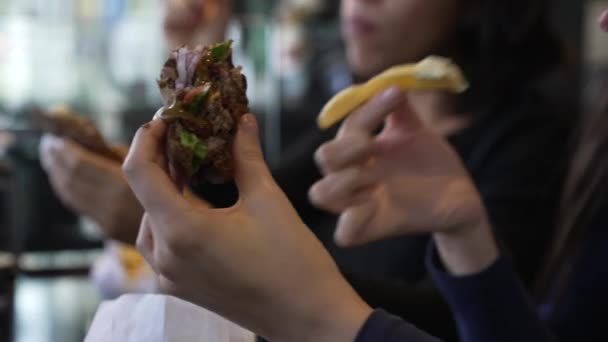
{"points": [[431, 73], [132, 261], [121, 270], [204, 96], [64, 122]]}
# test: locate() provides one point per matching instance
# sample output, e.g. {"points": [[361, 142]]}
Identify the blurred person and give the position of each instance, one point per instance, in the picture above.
{"points": [[508, 134], [244, 277], [94, 186], [194, 22], [512, 138], [503, 123], [417, 184]]}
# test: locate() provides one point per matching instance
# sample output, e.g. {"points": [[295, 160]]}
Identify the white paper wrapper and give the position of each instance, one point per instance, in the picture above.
{"points": [[159, 318]]}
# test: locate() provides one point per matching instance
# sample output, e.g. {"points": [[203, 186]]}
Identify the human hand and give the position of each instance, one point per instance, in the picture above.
{"points": [[255, 263], [193, 22], [406, 179], [92, 186]]}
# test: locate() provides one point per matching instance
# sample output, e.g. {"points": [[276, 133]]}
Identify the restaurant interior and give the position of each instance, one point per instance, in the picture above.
{"points": [[102, 58]]}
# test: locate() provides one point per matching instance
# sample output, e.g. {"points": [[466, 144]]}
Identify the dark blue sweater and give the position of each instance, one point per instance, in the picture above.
{"points": [[493, 305]]}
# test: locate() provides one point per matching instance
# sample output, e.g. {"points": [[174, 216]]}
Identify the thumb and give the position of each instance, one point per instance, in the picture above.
{"points": [[250, 167], [146, 173]]}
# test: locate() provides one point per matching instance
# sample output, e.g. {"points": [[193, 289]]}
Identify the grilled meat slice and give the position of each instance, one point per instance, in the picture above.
{"points": [[205, 96]]}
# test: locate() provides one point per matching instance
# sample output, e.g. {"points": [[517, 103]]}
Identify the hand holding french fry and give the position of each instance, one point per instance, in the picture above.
{"points": [[406, 179]]}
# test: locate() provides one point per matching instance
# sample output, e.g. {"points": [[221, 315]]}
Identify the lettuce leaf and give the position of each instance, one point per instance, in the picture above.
{"points": [[199, 149]]}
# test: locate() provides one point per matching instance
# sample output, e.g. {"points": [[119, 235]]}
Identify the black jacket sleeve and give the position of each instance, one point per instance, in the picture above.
{"points": [[381, 326]]}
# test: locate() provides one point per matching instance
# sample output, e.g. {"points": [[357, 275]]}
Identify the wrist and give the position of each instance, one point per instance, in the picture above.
{"points": [[335, 314], [467, 250], [342, 321]]}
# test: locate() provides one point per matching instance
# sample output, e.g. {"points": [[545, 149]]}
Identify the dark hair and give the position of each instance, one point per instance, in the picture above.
{"points": [[503, 45], [584, 196]]}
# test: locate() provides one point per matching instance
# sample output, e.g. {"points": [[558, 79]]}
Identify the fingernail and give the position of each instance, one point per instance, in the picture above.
{"points": [[249, 123], [391, 95]]}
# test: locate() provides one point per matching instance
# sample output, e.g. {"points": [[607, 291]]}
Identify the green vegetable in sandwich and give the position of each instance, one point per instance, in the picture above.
{"points": [[205, 96], [199, 149]]}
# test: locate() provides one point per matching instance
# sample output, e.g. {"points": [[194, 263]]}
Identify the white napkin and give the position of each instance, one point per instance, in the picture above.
{"points": [[159, 318]]}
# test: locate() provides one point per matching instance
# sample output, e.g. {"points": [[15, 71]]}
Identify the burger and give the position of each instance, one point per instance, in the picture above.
{"points": [[204, 97]]}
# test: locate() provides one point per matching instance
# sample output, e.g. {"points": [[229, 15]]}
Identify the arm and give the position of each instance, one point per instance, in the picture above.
{"points": [[492, 303], [486, 297], [423, 306], [381, 326], [408, 180], [488, 300]]}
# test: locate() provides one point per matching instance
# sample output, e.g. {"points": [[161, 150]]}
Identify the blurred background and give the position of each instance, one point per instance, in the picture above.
{"points": [[102, 58]]}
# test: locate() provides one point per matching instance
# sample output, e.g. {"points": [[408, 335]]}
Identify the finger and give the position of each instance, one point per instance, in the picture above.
{"points": [[145, 243], [342, 152], [78, 195], [352, 224], [71, 159], [362, 196], [56, 154], [337, 191], [68, 163], [250, 168], [367, 118], [46, 143], [147, 175], [405, 117], [168, 287]]}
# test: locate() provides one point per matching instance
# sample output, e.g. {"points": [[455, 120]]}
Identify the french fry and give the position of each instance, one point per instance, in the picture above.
{"points": [[431, 73]]}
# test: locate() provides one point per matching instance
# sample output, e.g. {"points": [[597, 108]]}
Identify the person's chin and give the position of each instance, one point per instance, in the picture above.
{"points": [[363, 66]]}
